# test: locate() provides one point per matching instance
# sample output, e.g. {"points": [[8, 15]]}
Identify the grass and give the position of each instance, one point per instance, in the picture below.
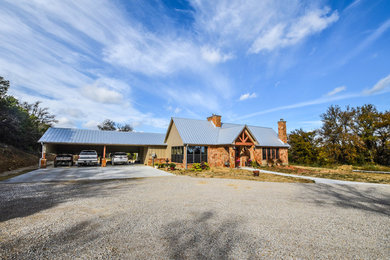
{"points": [[8, 175], [228, 173], [344, 173]]}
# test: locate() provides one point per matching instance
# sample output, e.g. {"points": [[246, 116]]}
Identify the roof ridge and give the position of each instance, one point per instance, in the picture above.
{"points": [[97, 130]]}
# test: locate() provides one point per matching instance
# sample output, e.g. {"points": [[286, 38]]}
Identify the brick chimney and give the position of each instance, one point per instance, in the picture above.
{"points": [[216, 119], [282, 131]]}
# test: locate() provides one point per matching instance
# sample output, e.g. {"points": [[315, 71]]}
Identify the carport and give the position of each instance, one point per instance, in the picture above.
{"points": [[72, 141]]}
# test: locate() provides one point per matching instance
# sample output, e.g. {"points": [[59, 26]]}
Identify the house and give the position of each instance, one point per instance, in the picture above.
{"points": [[186, 141], [224, 144]]}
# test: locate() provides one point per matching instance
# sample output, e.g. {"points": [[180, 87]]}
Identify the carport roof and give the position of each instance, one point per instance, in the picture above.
{"points": [[83, 136]]}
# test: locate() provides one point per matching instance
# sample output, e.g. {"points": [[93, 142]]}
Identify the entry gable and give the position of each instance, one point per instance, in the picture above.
{"points": [[172, 136], [245, 138]]}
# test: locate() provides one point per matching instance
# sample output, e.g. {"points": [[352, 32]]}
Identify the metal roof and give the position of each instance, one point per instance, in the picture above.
{"points": [[82, 136], [203, 132]]}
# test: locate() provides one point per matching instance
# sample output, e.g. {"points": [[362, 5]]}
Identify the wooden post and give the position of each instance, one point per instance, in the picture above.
{"points": [[42, 161], [185, 155], [104, 157]]}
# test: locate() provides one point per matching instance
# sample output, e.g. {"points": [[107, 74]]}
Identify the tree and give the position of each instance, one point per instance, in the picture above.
{"points": [[107, 125], [21, 124], [303, 147], [4, 86], [125, 128]]}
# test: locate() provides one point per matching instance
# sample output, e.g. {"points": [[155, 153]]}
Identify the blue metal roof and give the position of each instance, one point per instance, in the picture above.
{"points": [[203, 132], [82, 136]]}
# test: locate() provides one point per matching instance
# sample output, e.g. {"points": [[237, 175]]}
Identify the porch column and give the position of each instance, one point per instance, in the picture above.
{"points": [[104, 157], [232, 157], [42, 161], [185, 155]]}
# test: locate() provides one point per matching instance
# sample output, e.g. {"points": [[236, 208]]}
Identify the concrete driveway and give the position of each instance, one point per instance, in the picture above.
{"points": [[88, 173]]}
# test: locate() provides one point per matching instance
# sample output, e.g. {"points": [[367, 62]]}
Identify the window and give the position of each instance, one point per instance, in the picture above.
{"points": [[196, 154], [177, 154], [270, 153]]}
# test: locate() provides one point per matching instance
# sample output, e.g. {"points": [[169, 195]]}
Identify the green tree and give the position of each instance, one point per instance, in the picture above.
{"points": [[107, 125], [21, 124], [303, 147]]}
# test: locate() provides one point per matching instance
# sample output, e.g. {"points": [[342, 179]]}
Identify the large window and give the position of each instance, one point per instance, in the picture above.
{"points": [[270, 153], [196, 154], [177, 154]]}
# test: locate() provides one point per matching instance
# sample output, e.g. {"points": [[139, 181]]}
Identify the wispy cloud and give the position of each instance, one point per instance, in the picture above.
{"points": [[286, 34], [336, 90], [383, 85], [247, 96], [378, 32]]}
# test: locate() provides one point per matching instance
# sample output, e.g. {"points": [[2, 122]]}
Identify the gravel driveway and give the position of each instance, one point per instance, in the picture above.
{"points": [[192, 218]]}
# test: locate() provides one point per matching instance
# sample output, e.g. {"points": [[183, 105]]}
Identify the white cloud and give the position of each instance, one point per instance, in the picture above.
{"points": [[92, 124], [65, 122], [101, 95], [214, 55], [261, 25], [247, 96], [383, 85], [290, 33], [336, 90]]}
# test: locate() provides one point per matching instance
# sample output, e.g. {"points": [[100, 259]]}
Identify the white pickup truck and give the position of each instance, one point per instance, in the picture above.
{"points": [[87, 157]]}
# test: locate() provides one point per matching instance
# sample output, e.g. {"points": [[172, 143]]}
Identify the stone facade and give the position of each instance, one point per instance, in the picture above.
{"points": [[258, 155], [283, 155], [282, 131], [217, 156]]}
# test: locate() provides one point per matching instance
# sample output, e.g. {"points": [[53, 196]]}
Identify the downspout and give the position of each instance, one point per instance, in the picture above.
{"points": [[186, 155]]}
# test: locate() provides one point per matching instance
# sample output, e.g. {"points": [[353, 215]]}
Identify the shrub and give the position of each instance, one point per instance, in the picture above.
{"points": [[270, 162], [172, 166], [162, 165], [254, 164], [205, 166], [196, 167]]}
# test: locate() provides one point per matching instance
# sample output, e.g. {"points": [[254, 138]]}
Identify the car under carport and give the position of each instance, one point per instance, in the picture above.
{"points": [[70, 140]]}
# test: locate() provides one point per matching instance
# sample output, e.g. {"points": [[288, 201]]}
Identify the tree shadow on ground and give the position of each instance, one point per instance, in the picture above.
{"points": [[370, 199], [62, 242], [21, 200], [204, 238]]}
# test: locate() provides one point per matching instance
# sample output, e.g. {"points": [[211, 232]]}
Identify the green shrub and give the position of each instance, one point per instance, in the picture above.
{"points": [[172, 165], [254, 164], [162, 165], [196, 167]]}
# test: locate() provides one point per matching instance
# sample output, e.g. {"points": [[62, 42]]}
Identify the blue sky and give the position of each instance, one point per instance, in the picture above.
{"points": [[142, 62]]}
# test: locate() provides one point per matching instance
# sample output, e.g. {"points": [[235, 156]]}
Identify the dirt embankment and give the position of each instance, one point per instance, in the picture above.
{"points": [[12, 158]]}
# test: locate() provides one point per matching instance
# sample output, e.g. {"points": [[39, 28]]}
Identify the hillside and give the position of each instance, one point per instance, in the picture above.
{"points": [[12, 158]]}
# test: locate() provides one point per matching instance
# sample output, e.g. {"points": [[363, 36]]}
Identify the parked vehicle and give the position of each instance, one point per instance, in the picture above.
{"points": [[63, 159], [119, 158], [88, 157]]}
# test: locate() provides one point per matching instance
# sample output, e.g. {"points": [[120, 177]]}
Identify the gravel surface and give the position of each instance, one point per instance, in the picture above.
{"points": [[193, 218]]}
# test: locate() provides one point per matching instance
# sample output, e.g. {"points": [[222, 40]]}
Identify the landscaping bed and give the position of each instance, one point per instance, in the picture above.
{"points": [[343, 172], [229, 173]]}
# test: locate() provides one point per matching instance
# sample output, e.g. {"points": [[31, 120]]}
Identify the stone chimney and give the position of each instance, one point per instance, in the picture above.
{"points": [[216, 119], [282, 131]]}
